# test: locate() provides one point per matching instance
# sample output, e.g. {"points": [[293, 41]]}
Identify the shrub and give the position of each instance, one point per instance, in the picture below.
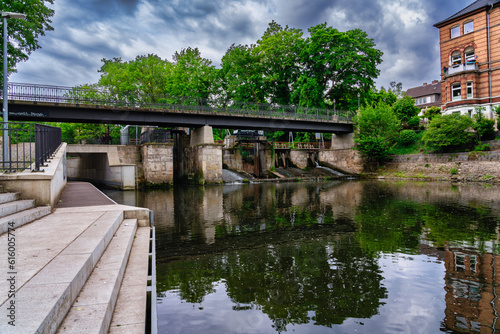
{"points": [[453, 171], [414, 122], [482, 147], [448, 131], [377, 131], [407, 137]]}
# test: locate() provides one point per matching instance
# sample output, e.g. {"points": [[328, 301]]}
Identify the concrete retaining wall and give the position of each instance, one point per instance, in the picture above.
{"points": [[44, 187], [112, 165]]}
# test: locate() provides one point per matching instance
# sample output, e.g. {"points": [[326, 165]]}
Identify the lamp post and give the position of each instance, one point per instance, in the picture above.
{"points": [[5, 114], [358, 100]]}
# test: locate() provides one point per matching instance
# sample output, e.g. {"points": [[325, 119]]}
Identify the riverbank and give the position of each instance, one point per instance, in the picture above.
{"points": [[454, 167]]}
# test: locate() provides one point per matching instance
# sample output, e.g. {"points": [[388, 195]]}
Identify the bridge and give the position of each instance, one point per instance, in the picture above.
{"points": [[42, 103]]}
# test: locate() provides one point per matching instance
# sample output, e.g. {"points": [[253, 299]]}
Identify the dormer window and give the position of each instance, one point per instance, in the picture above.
{"points": [[455, 31], [468, 27]]}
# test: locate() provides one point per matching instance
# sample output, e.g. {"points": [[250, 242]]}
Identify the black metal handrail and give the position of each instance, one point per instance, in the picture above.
{"points": [[47, 141], [30, 145], [94, 95]]}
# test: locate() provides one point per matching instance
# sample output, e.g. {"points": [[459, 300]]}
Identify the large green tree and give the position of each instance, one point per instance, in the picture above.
{"points": [[279, 53], [192, 75], [23, 34], [241, 74], [342, 64]]}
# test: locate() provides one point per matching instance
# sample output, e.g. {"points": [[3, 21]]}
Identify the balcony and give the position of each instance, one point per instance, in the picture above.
{"points": [[461, 68]]}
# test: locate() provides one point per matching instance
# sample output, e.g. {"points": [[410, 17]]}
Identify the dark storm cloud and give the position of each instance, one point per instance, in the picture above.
{"points": [[88, 30]]}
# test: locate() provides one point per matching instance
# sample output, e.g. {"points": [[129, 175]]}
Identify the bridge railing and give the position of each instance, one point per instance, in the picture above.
{"points": [[94, 95], [30, 146]]}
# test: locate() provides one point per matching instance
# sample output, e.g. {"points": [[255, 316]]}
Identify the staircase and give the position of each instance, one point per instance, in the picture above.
{"points": [[75, 270]]}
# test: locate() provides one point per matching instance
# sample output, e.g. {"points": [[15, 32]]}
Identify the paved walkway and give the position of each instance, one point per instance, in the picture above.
{"points": [[78, 194]]}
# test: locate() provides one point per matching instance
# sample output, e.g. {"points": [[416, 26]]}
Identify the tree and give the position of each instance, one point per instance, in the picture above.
{"points": [[405, 109], [342, 64], [432, 112], [449, 131], [279, 51], [375, 96], [485, 128], [241, 74], [377, 129], [192, 75], [23, 34]]}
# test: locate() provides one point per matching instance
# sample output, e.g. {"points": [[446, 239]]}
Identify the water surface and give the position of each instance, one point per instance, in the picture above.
{"points": [[341, 257]]}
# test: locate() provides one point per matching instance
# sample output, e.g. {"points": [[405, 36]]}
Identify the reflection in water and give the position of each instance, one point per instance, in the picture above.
{"points": [[355, 256]]}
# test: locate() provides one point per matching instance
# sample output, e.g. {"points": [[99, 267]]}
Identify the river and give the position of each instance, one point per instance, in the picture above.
{"points": [[341, 257]]}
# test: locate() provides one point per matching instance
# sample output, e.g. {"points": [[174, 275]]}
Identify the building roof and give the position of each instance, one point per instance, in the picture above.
{"points": [[425, 90], [477, 5]]}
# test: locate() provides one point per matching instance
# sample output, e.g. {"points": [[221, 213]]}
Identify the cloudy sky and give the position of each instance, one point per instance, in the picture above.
{"points": [[85, 31]]}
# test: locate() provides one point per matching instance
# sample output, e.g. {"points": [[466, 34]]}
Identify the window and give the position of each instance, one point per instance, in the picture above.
{"points": [[455, 31], [456, 92], [470, 57], [468, 27], [470, 92], [456, 59]]}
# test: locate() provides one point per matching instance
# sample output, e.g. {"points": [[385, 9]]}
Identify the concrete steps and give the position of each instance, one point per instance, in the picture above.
{"points": [[15, 212], [93, 308], [45, 299], [70, 267]]}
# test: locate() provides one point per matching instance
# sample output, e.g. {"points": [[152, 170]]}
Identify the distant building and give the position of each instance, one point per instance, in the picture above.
{"points": [[470, 74], [426, 96]]}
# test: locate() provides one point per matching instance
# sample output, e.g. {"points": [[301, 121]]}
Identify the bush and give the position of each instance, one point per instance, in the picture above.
{"points": [[482, 147], [448, 131], [485, 128], [407, 137], [377, 131], [414, 122]]}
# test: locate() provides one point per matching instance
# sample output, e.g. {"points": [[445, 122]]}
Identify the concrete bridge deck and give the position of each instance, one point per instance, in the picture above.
{"points": [[81, 269]]}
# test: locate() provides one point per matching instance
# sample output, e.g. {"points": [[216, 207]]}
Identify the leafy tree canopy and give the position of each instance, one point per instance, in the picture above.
{"points": [[23, 34], [405, 109], [377, 129]]}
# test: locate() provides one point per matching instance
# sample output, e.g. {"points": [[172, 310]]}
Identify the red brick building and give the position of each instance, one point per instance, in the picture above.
{"points": [[470, 58]]}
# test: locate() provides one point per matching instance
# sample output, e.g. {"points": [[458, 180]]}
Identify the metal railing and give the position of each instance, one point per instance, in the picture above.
{"points": [[155, 135], [93, 95], [30, 146], [47, 141]]}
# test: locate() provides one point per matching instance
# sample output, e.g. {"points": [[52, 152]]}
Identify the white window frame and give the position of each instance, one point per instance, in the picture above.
{"points": [[468, 27], [470, 88], [456, 87], [455, 31], [456, 57], [470, 56]]}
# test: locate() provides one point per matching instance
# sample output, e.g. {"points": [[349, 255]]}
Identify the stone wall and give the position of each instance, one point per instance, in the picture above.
{"points": [[467, 166], [158, 162], [345, 160], [300, 158], [203, 163]]}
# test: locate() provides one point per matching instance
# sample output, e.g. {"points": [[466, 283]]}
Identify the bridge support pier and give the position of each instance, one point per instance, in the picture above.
{"points": [[203, 135], [342, 141], [202, 160]]}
